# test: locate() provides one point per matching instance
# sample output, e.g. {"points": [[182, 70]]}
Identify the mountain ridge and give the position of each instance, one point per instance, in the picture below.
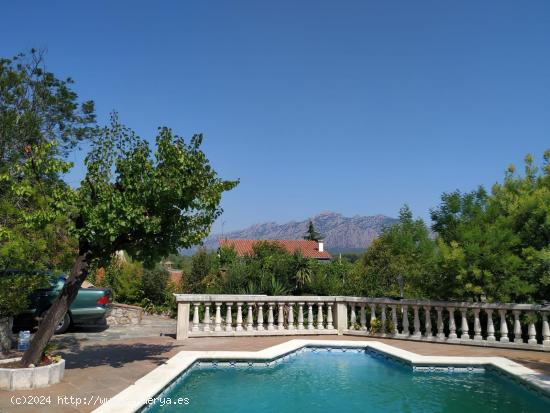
{"points": [[340, 233]]}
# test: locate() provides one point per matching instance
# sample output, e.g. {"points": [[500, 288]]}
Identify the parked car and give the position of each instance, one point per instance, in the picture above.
{"points": [[90, 306]]}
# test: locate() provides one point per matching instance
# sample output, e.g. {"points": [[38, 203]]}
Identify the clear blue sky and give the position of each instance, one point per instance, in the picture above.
{"points": [[351, 106]]}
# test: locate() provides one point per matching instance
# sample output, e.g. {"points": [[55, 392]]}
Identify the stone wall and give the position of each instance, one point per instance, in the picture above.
{"points": [[124, 314]]}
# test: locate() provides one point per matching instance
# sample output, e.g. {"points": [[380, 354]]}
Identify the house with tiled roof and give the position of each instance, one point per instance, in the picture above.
{"points": [[308, 249]]}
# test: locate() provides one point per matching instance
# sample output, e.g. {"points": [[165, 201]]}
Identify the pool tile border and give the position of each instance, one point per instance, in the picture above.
{"points": [[134, 397]]}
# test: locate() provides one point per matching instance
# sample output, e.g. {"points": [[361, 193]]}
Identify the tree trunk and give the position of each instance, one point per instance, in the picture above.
{"points": [[6, 324], [57, 311]]}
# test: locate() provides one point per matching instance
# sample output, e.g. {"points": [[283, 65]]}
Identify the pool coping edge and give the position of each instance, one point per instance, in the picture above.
{"points": [[135, 396]]}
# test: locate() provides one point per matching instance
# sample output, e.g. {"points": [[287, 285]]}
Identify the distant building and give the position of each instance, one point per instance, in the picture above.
{"points": [[308, 249], [174, 275]]}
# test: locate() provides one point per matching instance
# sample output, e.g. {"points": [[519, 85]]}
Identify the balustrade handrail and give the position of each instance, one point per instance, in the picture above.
{"points": [[489, 324], [201, 298]]}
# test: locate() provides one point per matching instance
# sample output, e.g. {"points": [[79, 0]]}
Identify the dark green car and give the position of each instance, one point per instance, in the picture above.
{"points": [[90, 306]]}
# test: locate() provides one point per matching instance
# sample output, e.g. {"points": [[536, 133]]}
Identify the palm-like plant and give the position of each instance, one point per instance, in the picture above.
{"points": [[304, 271], [277, 288]]}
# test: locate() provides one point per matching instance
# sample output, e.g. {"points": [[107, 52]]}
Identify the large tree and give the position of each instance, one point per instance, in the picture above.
{"points": [[147, 204], [37, 107], [38, 112], [496, 246], [401, 260]]}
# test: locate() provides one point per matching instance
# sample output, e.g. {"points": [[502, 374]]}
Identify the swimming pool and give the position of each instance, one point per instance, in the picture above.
{"points": [[328, 379]]}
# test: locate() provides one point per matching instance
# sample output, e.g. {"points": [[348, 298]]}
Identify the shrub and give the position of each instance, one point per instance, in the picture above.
{"points": [[154, 285], [15, 289], [124, 277]]}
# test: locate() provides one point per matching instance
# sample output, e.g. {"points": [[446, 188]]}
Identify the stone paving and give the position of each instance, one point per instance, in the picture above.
{"points": [[150, 326], [102, 363]]}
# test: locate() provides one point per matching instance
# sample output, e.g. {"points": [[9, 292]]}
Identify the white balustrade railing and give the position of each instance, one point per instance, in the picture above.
{"points": [[453, 322], [254, 315], [483, 324]]}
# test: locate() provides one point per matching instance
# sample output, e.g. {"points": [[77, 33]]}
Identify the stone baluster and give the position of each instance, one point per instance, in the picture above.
{"points": [[465, 336], [301, 316], [531, 330], [394, 319], [363, 317], [239, 316], [291, 316], [218, 319], [195, 317], [417, 333], [330, 326], [452, 325], [206, 320], [503, 327], [261, 317], [477, 326], [545, 330], [406, 332], [372, 315], [281, 317], [490, 326], [440, 324], [320, 317], [517, 327], [352, 317], [228, 318], [270, 320], [383, 319], [249, 318], [310, 316], [428, 322], [320, 325]]}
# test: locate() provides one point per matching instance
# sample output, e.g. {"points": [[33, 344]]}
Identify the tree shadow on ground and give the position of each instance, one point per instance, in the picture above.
{"points": [[116, 355]]}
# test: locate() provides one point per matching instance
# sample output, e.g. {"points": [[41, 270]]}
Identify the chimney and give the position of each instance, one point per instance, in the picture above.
{"points": [[321, 245]]}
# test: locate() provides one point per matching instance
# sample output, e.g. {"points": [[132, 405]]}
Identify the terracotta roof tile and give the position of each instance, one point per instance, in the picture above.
{"points": [[309, 249]]}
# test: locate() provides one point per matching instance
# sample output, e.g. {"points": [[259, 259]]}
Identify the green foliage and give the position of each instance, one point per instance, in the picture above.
{"points": [[129, 200], [40, 121], [33, 231], [135, 285], [496, 246], [312, 234], [271, 270], [124, 278], [37, 108], [157, 291], [201, 267], [403, 253], [154, 283], [146, 205], [376, 326], [226, 255], [15, 289], [350, 257]]}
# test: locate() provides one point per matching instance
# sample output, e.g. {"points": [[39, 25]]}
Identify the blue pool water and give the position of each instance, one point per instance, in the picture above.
{"points": [[350, 381]]}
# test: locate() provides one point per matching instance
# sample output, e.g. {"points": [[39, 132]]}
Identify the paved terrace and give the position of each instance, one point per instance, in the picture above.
{"points": [[102, 365]]}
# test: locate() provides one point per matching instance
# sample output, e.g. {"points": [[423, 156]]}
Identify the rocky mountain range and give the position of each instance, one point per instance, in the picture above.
{"points": [[341, 233]]}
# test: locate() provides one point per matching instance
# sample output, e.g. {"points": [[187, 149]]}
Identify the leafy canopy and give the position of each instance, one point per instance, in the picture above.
{"points": [[402, 257], [36, 107], [41, 119], [146, 204], [497, 246]]}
